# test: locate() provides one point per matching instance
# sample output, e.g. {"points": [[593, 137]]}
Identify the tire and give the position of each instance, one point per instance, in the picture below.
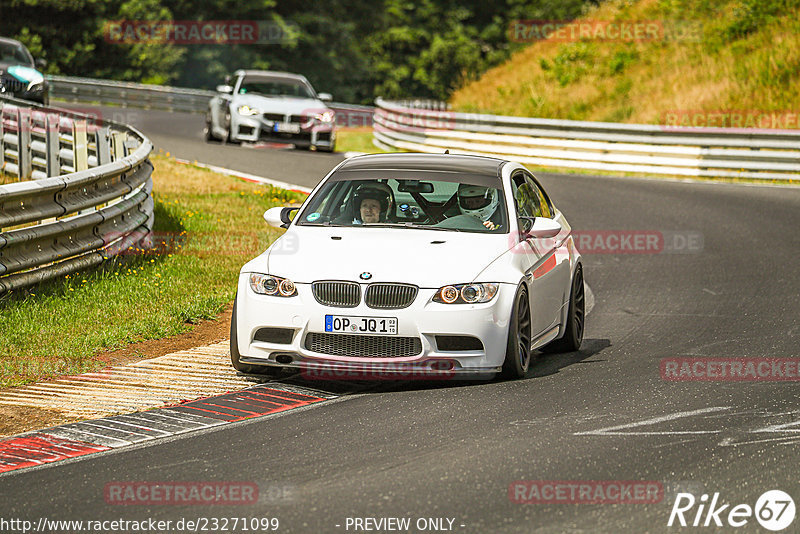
{"points": [[576, 318], [518, 347], [243, 367], [229, 133], [208, 132]]}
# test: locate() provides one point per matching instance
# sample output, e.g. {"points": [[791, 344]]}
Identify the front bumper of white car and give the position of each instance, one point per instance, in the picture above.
{"points": [[432, 338], [293, 129]]}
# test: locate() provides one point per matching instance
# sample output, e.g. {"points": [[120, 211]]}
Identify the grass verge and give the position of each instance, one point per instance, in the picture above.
{"points": [[207, 226], [714, 61], [356, 140]]}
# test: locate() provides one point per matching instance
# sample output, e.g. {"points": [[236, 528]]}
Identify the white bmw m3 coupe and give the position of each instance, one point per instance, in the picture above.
{"points": [[444, 264]]}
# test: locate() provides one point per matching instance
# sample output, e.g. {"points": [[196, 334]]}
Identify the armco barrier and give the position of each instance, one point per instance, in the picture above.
{"points": [[129, 94], [137, 95], [427, 126], [78, 191]]}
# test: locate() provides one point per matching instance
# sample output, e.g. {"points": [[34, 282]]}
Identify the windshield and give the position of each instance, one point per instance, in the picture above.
{"points": [[14, 53], [402, 203], [275, 87]]}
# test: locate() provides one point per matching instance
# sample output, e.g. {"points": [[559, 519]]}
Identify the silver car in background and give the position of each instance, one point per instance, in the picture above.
{"points": [[257, 105]]}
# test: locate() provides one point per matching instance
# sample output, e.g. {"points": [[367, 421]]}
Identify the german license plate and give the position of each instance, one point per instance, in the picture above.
{"points": [[349, 324], [286, 127]]}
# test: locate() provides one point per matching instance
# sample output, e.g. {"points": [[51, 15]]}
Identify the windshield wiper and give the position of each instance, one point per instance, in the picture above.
{"points": [[411, 225]]}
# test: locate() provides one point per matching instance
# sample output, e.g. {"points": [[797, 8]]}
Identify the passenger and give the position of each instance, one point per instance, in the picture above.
{"points": [[374, 202], [480, 202]]}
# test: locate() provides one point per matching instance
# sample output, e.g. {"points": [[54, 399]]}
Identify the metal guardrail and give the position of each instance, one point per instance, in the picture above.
{"points": [[137, 95], [129, 94], [427, 126], [80, 192]]}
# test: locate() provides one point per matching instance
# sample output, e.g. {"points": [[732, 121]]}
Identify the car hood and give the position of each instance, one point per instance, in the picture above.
{"points": [[287, 105], [426, 258]]}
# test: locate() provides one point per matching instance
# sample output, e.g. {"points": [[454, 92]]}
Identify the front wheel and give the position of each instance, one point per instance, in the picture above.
{"points": [[229, 139], [576, 316], [208, 133], [518, 347]]}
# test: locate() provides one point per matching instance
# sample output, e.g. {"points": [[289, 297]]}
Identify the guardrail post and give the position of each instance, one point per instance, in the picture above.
{"points": [[2, 148], [52, 143], [80, 145], [103, 143], [118, 145], [24, 144]]}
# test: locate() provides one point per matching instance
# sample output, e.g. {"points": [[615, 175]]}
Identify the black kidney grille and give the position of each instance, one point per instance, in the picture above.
{"points": [[363, 346], [390, 296], [275, 117], [337, 294]]}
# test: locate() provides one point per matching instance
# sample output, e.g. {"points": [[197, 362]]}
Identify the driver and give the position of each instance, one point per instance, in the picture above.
{"points": [[374, 203], [481, 203]]}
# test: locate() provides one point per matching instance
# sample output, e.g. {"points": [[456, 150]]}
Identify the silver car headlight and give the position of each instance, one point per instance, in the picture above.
{"points": [[466, 293], [247, 111], [327, 116], [266, 284]]}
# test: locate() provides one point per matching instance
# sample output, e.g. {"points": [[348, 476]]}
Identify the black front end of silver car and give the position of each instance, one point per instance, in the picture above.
{"points": [[32, 91]]}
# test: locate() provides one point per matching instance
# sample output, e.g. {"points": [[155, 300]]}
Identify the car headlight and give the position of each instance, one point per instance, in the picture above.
{"points": [[35, 86], [265, 284], [327, 116], [247, 111], [466, 293]]}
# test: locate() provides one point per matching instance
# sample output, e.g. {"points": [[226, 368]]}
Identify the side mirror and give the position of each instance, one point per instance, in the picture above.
{"points": [[279, 217], [40, 64], [225, 89], [538, 227], [325, 97]]}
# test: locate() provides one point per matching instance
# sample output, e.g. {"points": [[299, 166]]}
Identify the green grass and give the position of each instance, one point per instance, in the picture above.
{"points": [[739, 56], [207, 225], [7, 178], [356, 140]]}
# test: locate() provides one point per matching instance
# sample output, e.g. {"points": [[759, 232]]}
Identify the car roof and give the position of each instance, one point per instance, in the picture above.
{"points": [[476, 170], [425, 162], [10, 41], [271, 74]]}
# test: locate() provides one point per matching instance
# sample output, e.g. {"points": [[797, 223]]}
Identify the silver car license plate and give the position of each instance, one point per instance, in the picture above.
{"points": [[350, 324], [286, 127]]}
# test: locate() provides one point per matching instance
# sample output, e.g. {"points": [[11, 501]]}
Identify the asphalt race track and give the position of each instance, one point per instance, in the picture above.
{"points": [[181, 134], [728, 288]]}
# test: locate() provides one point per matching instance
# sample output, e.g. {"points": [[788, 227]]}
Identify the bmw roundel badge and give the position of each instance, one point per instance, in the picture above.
{"points": [[365, 276]]}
